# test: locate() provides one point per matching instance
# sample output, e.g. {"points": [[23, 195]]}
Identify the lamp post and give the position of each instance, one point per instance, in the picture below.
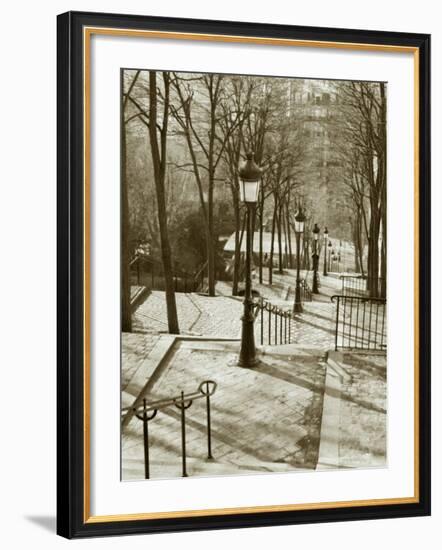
{"points": [[250, 176], [299, 230], [325, 251], [315, 257], [329, 255]]}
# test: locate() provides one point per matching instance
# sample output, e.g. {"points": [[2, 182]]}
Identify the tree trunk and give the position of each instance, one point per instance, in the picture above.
{"points": [[126, 313], [306, 255], [360, 248], [237, 252], [272, 241], [280, 253], [383, 285], [289, 237], [357, 262], [383, 165], [355, 224], [286, 248], [210, 238], [383, 282], [373, 256], [261, 221], [159, 166]]}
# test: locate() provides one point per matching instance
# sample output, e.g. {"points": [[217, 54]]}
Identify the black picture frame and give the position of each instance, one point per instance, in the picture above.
{"points": [[71, 519]]}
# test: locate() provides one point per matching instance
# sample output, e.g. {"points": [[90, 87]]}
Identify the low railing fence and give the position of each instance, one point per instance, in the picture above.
{"points": [[149, 272], [148, 411], [198, 278], [274, 323], [360, 323], [306, 291], [360, 285]]}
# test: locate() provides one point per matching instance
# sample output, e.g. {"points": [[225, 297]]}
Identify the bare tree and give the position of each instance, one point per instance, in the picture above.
{"points": [[236, 113], [126, 313], [198, 114], [157, 126], [364, 133]]}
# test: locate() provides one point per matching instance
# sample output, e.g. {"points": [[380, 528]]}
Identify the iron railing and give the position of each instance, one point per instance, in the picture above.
{"points": [[360, 323], [274, 323], [148, 272], [198, 278], [361, 285], [306, 291], [148, 411]]}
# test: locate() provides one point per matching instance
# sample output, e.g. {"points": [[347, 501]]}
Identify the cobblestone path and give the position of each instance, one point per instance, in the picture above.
{"points": [[282, 288], [263, 419], [220, 316], [315, 326], [198, 315], [362, 441]]}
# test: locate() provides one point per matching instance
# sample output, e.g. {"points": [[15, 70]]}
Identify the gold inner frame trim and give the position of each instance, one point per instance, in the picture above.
{"points": [[87, 34]]}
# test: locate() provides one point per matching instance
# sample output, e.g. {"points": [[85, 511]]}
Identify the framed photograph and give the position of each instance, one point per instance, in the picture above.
{"points": [[243, 274]]}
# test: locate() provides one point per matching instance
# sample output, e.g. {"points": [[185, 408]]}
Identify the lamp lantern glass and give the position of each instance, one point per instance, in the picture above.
{"points": [[250, 179], [299, 221], [316, 232]]}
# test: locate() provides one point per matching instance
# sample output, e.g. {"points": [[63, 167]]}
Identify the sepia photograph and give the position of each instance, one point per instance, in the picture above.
{"points": [[253, 274]]}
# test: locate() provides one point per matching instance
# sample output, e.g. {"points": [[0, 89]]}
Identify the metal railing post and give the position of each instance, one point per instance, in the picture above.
{"points": [[376, 324], [270, 324], [146, 442], [337, 325], [276, 326], [383, 326], [365, 327], [280, 330], [146, 418], [183, 406], [208, 388], [147, 412], [262, 321]]}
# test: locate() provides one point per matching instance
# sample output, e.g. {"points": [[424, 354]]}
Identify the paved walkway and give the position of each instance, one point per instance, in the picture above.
{"points": [[221, 315], [135, 348], [363, 424], [263, 419], [315, 326], [198, 315]]}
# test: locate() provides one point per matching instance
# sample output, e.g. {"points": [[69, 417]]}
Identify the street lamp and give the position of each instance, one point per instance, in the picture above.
{"points": [[325, 251], [299, 230], [250, 178], [315, 257], [329, 255]]}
